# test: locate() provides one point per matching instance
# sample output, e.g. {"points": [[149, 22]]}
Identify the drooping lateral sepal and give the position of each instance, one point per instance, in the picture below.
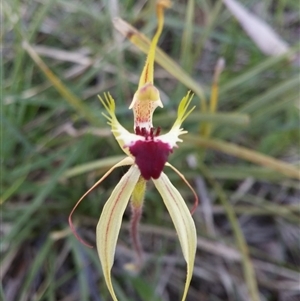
{"points": [[109, 224], [125, 161], [183, 223]]}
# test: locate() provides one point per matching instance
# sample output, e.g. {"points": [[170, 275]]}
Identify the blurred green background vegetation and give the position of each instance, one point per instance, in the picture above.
{"points": [[55, 144]]}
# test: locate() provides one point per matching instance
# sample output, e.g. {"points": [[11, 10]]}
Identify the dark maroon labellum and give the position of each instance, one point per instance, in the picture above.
{"points": [[150, 156]]}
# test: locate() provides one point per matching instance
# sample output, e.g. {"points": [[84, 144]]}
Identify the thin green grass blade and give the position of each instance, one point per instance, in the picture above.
{"points": [[271, 95], [40, 196], [80, 267], [73, 100], [241, 172], [187, 37], [255, 71], [91, 166], [233, 119], [2, 296], [13, 131], [249, 272], [279, 106], [36, 267], [14, 7], [212, 17], [12, 189]]}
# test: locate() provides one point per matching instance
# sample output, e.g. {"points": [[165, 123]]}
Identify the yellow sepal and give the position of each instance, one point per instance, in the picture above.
{"points": [[183, 223], [172, 137], [147, 74], [125, 161], [109, 224]]}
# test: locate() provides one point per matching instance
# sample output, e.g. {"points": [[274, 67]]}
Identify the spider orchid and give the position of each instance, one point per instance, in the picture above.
{"points": [[147, 153]]}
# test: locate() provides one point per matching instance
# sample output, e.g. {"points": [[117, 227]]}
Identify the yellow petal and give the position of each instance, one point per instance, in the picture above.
{"points": [[109, 224], [183, 223], [172, 137], [123, 137], [182, 112]]}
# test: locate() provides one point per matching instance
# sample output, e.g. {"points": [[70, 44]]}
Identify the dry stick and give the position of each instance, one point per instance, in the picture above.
{"points": [[73, 100], [245, 153]]}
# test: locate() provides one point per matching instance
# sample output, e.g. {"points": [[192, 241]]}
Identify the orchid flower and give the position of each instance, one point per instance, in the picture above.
{"points": [[147, 154]]}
